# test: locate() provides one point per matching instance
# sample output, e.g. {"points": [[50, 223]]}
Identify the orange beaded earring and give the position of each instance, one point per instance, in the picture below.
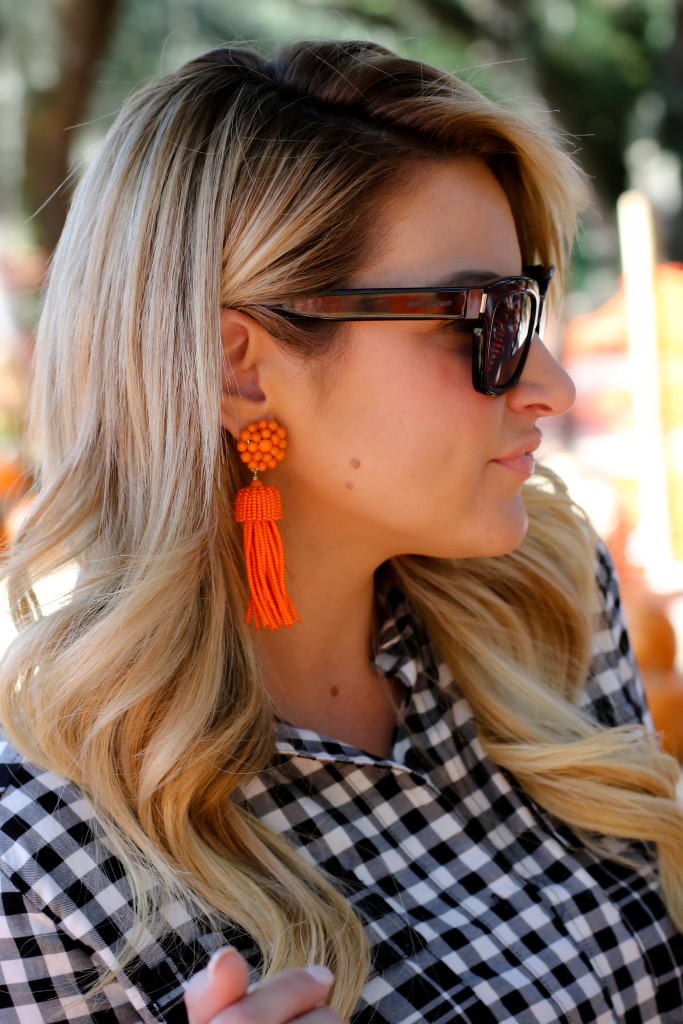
{"points": [[258, 507]]}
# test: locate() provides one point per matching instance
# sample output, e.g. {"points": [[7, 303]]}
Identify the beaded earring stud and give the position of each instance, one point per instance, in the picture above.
{"points": [[261, 446]]}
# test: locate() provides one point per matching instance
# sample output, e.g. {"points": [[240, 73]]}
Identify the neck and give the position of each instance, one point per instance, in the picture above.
{"points": [[333, 639], [318, 672]]}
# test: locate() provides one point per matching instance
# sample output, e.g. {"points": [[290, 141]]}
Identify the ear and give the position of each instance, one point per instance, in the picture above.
{"points": [[246, 346]]}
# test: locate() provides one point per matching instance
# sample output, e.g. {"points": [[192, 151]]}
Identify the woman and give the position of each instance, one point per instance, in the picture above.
{"points": [[435, 784]]}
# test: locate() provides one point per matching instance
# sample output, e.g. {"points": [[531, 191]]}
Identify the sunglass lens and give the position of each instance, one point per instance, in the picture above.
{"points": [[512, 324], [542, 318]]}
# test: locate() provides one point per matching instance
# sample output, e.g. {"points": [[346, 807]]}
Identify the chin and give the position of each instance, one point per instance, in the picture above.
{"points": [[498, 537], [512, 530], [494, 532], [501, 544]]}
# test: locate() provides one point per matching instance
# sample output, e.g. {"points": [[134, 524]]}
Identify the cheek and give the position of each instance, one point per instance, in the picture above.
{"points": [[429, 454], [460, 427], [398, 426], [415, 413], [381, 408]]}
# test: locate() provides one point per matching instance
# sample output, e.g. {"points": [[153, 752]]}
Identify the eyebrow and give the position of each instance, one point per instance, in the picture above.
{"points": [[474, 277]]}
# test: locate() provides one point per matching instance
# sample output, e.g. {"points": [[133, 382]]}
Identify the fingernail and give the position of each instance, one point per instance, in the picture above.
{"points": [[321, 974], [217, 956]]}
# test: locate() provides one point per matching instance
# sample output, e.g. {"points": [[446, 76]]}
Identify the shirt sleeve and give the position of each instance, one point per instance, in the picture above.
{"points": [[614, 693], [45, 973]]}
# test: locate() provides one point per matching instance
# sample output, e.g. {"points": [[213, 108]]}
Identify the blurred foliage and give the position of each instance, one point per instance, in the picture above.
{"points": [[594, 62]]}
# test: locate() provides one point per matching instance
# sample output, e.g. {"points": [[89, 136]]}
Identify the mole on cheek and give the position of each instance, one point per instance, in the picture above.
{"points": [[348, 485], [334, 691], [355, 463]]}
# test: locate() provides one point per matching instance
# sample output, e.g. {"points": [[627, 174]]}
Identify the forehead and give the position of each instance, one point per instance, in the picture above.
{"points": [[449, 217]]}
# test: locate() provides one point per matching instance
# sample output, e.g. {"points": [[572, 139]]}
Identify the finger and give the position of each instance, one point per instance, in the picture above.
{"points": [[321, 1015], [285, 997], [220, 984]]}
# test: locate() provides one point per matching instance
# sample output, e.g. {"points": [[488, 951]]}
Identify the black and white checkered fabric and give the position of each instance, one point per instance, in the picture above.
{"points": [[479, 907]]}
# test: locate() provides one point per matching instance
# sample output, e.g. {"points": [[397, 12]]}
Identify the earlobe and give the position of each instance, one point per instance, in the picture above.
{"points": [[242, 397]]}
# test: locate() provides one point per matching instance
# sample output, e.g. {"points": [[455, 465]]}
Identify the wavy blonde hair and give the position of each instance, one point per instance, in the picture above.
{"points": [[233, 182]]}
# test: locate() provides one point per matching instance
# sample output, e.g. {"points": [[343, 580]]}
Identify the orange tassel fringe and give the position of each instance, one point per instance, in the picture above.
{"points": [[257, 507]]}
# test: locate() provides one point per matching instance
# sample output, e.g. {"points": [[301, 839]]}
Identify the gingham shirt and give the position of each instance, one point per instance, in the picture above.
{"points": [[479, 907]]}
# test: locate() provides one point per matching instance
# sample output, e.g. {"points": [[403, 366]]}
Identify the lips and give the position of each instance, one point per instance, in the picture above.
{"points": [[522, 464], [521, 459]]}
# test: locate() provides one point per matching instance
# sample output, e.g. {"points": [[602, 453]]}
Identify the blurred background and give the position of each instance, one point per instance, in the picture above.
{"points": [[609, 73]]}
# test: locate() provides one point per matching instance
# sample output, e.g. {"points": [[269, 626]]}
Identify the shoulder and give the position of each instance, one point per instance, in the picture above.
{"points": [[44, 819], [66, 914], [53, 856], [614, 691]]}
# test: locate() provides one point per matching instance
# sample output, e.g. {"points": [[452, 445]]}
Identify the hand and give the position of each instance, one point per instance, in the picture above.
{"points": [[220, 994]]}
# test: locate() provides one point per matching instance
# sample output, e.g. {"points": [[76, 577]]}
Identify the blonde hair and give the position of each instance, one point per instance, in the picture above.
{"points": [[233, 182]]}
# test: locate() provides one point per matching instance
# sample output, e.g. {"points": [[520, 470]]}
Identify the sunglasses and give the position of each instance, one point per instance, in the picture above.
{"points": [[506, 314]]}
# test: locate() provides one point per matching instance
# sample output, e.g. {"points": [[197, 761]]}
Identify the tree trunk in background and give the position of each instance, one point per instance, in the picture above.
{"points": [[84, 27], [671, 87]]}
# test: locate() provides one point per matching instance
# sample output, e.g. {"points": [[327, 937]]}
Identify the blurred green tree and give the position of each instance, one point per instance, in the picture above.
{"points": [[592, 61]]}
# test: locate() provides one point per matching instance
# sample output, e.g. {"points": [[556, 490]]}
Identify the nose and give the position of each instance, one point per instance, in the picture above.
{"points": [[545, 387]]}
